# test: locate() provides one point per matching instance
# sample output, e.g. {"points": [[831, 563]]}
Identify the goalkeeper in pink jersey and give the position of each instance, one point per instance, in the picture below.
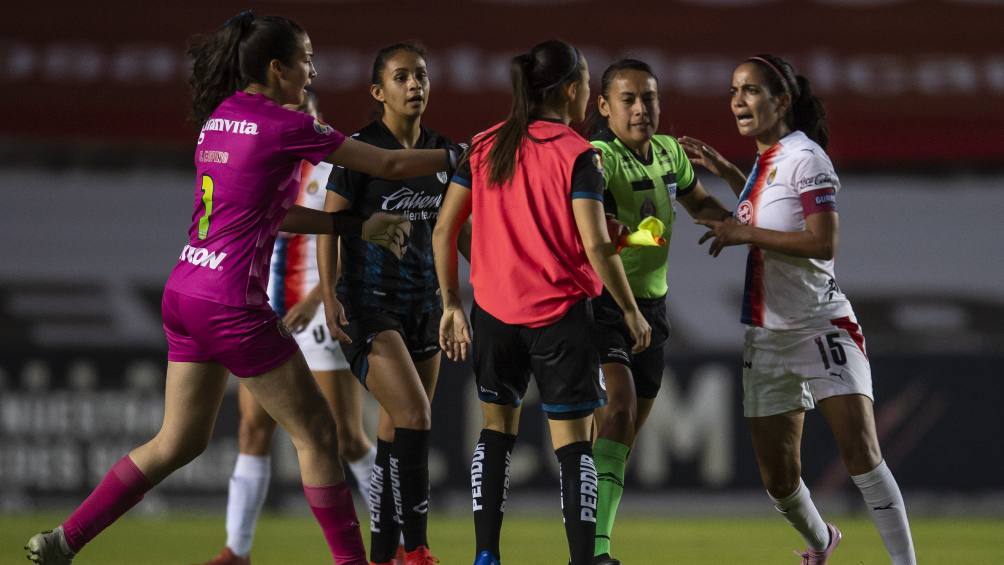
{"points": [[295, 294], [804, 347], [215, 306]]}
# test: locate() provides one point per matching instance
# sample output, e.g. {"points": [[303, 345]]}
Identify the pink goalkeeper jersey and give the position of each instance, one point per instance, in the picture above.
{"points": [[247, 164]]}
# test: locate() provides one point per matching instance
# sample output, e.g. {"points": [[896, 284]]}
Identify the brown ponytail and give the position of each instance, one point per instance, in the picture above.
{"points": [[537, 78]]}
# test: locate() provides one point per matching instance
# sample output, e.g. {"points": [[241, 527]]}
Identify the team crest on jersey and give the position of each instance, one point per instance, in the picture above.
{"points": [[744, 213], [771, 175], [443, 177], [323, 128], [313, 187]]}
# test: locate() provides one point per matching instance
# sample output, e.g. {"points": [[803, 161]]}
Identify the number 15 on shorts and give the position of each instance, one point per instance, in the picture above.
{"points": [[832, 349]]}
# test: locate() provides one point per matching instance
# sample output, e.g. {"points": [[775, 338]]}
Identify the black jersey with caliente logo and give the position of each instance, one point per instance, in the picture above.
{"points": [[372, 278]]}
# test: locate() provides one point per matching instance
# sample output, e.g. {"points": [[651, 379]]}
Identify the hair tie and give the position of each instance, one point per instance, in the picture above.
{"points": [[243, 15], [784, 82]]}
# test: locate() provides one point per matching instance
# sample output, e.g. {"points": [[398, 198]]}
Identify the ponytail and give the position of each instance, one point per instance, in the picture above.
{"points": [[537, 78], [806, 113], [236, 55]]}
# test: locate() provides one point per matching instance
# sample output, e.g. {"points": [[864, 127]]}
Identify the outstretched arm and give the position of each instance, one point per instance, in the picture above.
{"points": [[702, 154], [817, 241], [392, 164], [701, 205]]}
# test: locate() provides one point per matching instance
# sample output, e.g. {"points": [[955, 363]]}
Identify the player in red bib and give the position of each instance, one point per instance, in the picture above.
{"points": [[540, 250], [803, 346], [215, 307]]}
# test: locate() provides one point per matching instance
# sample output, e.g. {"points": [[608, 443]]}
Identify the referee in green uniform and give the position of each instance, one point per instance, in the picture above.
{"points": [[645, 173]]}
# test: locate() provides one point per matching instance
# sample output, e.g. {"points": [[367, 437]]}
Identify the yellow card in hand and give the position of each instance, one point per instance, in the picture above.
{"points": [[649, 234]]}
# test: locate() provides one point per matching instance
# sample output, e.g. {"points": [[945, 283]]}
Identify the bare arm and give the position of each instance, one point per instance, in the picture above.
{"points": [[454, 334], [387, 163], [702, 206], [702, 154], [306, 220], [817, 241], [602, 255], [327, 270], [464, 241]]}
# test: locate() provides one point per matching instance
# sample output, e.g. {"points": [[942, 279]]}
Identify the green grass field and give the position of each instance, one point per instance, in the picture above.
{"points": [[283, 540]]}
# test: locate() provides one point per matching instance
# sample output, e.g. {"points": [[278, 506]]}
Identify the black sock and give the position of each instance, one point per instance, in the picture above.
{"points": [[490, 487], [411, 449], [384, 526], [578, 499]]}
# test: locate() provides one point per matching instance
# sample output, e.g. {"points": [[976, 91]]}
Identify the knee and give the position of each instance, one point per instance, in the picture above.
{"points": [[254, 436], [352, 444], [176, 452], [862, 458], [621, 413], [415, 417], [321, 431], [782, 482]]}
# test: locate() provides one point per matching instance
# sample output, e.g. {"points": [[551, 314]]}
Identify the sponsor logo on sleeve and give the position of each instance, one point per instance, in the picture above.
{"points": [[826, 199], [821, 179], [598, 162], [323, 128]]}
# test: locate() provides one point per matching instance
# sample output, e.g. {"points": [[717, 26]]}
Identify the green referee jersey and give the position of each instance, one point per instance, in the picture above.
{"points": [[638, 188]]}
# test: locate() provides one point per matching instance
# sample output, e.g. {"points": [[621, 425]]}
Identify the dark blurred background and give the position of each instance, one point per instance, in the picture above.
{"points": [[96, 170]]}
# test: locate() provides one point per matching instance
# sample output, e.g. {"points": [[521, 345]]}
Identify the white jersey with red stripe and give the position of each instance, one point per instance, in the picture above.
{"points": [[790, 181], [294, 258]]}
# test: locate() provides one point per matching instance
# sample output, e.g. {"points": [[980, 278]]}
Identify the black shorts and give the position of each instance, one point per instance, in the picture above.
{"points": [[562, 357], [615, 341], [419, 329]]}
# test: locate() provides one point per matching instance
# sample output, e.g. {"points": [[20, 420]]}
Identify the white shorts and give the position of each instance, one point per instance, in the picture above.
{"points": [[786, 370], [322, 352]]}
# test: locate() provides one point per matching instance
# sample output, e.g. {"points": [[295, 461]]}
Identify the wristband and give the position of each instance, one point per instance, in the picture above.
{"points": [[346, 223]]}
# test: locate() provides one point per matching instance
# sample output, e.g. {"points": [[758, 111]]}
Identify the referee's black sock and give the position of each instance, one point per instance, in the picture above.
{"points": [[411, 449], [490, 487], [578, 499], [384, 528]]}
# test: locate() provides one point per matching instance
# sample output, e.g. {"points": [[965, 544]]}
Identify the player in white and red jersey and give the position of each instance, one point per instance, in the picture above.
{"points": [[295, 296], [803, 346]]}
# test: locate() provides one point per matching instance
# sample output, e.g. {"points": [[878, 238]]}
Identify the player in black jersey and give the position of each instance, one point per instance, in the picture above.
{"points": [[386, 310]]}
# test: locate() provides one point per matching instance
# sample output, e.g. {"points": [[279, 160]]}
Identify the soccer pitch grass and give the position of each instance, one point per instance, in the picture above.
{"points": [[181, 540]]}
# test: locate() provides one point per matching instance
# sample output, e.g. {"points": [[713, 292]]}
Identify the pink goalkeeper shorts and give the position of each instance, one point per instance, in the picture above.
{"points": [[247, 341]]}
